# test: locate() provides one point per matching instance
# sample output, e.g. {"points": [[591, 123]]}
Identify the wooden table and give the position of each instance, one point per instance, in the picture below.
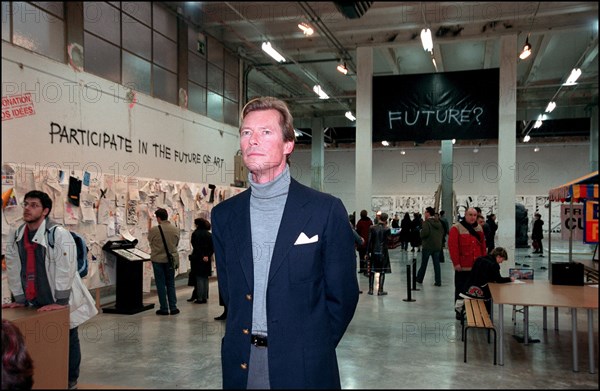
{"points": [[46, 337], [542, 293]]}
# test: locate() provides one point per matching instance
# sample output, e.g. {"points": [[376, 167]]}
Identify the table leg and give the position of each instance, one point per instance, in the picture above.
{"points": [[501, 333], [556, 318], [574, 338], [526, 325], [545, 313], [590, 316]]}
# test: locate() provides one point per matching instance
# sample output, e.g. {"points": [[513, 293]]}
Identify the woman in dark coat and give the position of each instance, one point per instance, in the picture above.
{"points": [[537, 234], [405, 231], [200, 259], [415, 232]]}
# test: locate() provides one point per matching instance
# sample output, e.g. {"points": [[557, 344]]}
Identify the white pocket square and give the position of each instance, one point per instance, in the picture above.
{"points": [[303, 239]]}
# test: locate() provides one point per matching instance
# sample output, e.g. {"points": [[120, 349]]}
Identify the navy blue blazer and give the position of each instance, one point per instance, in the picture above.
{"points": [[312, 289]]}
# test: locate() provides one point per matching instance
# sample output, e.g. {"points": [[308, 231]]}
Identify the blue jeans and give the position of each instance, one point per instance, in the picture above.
{"points": [[74, 355], [164, 278], [436, 265]]}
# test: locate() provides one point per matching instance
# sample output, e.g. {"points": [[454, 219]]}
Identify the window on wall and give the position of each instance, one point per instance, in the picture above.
{"points": [[134, 44], [39, 27], [213, 79]]}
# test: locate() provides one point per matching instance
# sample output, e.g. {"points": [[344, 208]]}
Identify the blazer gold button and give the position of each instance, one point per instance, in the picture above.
{"points": [[244, 365], [248, 297], [246, 331]]}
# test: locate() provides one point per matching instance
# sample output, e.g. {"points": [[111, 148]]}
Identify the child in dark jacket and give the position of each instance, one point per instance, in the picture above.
{"points": [[485, 269]]}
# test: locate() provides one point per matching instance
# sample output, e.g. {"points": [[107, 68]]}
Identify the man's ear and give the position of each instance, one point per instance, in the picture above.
{"points": [[288, 147], [46, 212]]}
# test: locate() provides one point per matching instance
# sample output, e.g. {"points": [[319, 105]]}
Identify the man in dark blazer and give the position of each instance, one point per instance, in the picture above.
{"points": [[285, 266]]}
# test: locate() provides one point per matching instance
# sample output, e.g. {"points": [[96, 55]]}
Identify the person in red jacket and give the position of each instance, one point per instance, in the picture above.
{"points": [[466, 243]]}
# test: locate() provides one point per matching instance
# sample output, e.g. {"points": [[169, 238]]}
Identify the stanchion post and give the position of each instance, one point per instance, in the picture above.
{"points": [[414, 275], [408, 292]]}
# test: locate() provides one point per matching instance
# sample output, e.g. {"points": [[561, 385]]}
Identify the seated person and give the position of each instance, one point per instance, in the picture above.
{"points": [[485, 269]]}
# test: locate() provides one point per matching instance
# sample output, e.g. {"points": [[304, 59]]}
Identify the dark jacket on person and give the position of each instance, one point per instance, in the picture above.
{"points": [[491, 233], [202, 245], [312, 289], [485, 270], [405, 229], [536, 232], [432, 233]]}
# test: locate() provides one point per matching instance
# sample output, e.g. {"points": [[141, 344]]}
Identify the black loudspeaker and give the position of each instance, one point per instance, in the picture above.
{"points": [[567, 273]]}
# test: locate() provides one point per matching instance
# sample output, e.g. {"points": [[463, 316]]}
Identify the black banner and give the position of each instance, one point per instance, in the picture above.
{"points": [[436, 106]]}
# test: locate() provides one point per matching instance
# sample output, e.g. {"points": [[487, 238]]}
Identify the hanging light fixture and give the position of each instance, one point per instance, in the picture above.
{"points": [[550, 107], [575, 73], [526, 49], [526, 138], [385, 143], [306, 29], [319, 91], [342, 68], [350, 116], [267, 48], [426, 40]]}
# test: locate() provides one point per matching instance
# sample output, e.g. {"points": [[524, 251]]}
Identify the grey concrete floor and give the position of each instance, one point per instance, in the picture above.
{"points": [[390, 343]]}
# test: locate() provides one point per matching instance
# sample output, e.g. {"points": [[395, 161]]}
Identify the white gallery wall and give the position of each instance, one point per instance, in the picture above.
{"points": [[418, 171], [74, 120]]}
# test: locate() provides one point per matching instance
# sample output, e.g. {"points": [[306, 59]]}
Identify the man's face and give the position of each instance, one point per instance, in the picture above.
{"points": [[33, 210], [471, 216], [480, 220], [261, 141]]}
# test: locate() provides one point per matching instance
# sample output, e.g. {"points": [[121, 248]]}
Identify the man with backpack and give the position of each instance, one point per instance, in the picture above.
{"points": [[45, 276]]}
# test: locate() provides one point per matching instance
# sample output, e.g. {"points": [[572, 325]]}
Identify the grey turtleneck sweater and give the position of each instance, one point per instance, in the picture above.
{"points": [[267, 202]]}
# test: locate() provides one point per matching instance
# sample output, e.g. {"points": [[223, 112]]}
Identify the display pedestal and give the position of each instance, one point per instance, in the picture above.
{"points": [[129, 288], [46, 336], [130, 274]]}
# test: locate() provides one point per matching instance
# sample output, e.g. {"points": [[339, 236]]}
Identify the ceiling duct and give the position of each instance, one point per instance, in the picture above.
{"points": [[352, 9]]}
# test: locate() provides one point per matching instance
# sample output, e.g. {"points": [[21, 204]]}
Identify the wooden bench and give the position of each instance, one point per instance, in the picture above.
{"points": [[591, 274], [477, 317]]}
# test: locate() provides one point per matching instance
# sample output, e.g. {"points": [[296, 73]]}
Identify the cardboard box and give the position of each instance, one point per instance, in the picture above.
{"points": [[47, 339]]}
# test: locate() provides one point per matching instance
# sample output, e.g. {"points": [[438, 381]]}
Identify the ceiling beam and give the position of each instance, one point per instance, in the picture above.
{"points": [[389, 55]]}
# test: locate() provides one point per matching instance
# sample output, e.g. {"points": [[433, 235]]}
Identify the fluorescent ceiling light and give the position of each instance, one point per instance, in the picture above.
{"points": [[575, 73], [267, 48], [550, 107], [342, 68], [427, 40], [453, 141], [526, 138], [350, 116], [297, 133], [537, 124], [403, 152], [322, 95], [526, 50], [306, 29], [536, 149], [385, 143]]}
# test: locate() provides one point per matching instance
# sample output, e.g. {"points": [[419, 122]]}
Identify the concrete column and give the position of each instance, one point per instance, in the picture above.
{"points": [[447, 180], [594, 139], [317, 155], [364, 129], [507, 144]]}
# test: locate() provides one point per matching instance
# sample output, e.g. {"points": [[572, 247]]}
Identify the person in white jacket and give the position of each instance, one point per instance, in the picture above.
{"points": [[46, 277]]}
